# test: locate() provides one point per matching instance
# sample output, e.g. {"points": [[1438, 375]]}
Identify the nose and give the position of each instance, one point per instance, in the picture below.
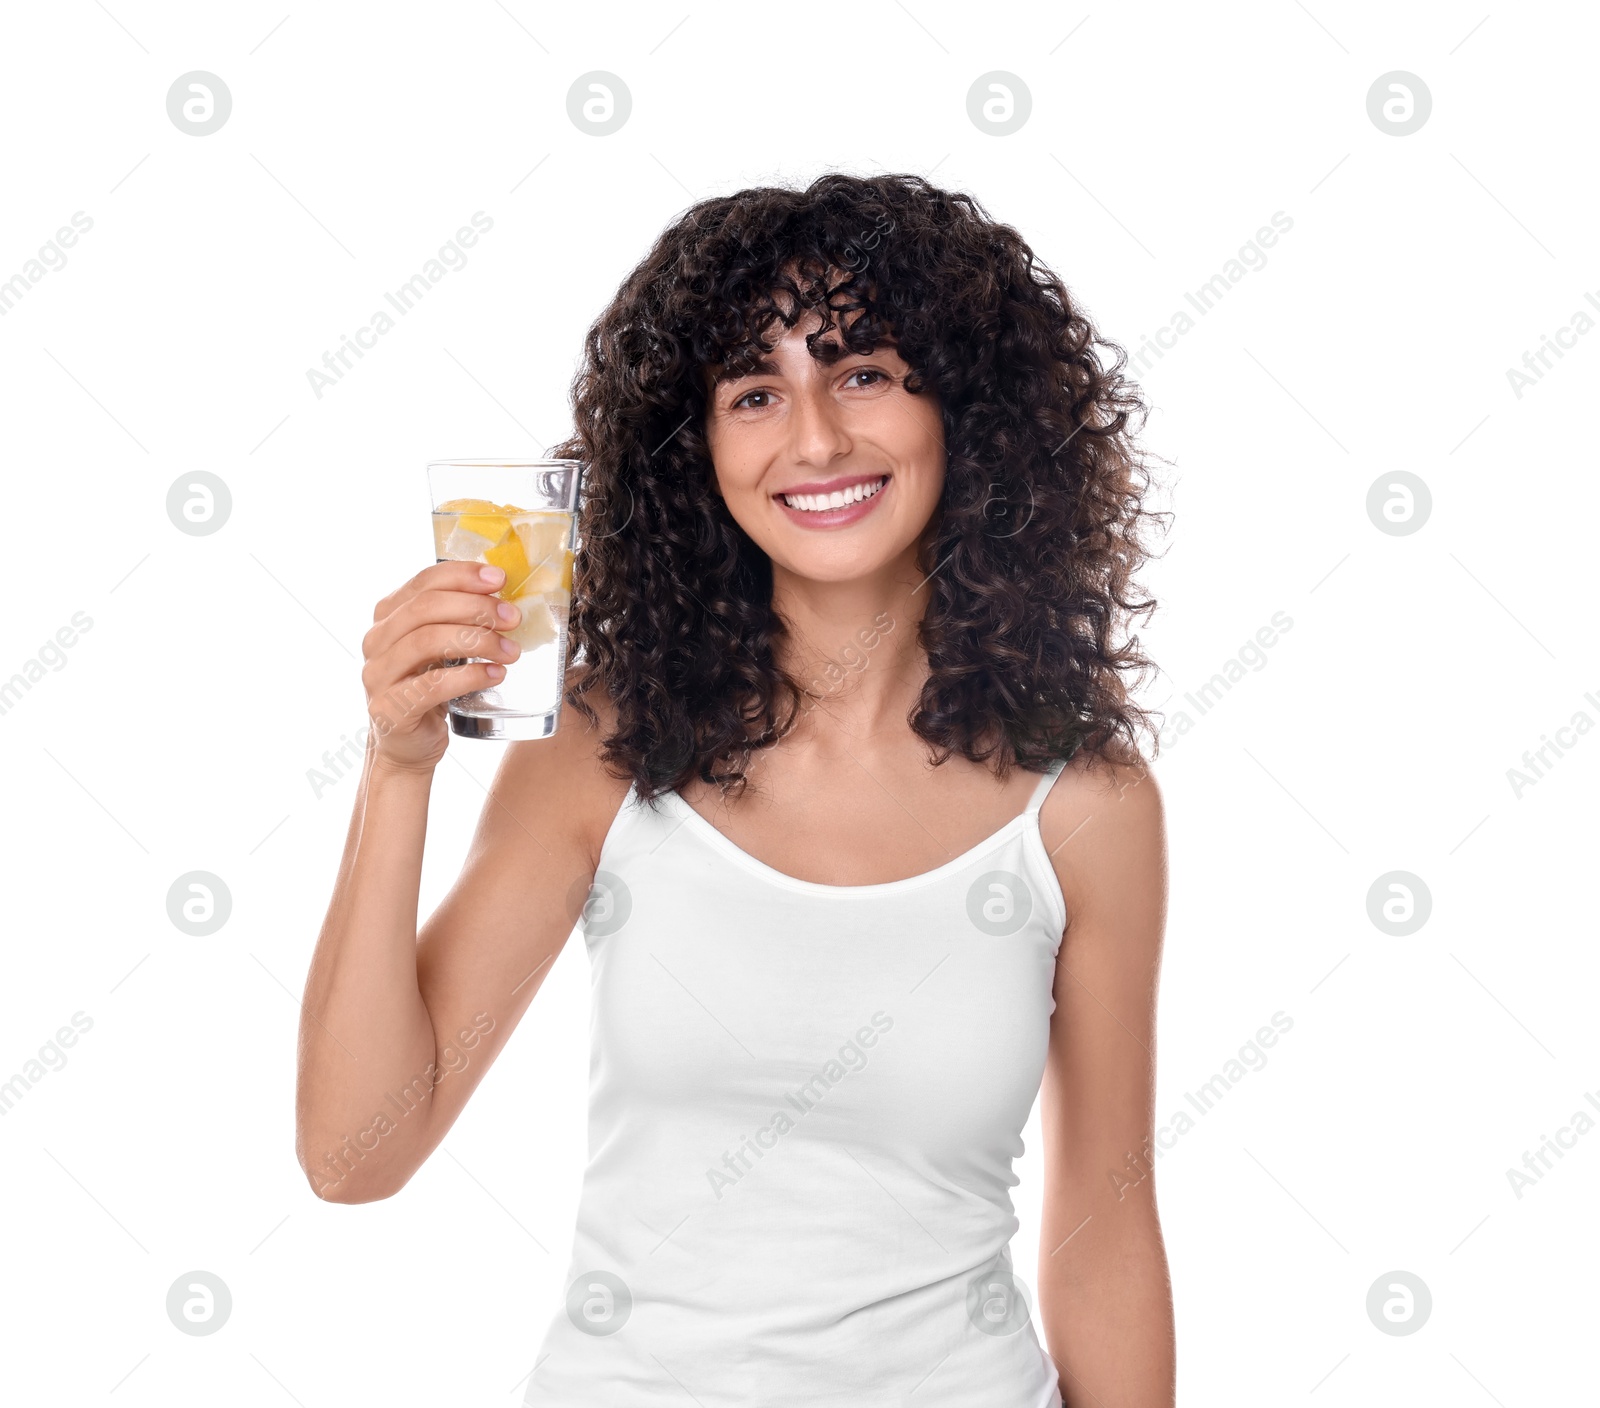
{"points": [[817, 435]]}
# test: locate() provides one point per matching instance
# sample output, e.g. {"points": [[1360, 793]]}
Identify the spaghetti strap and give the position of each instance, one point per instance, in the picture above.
{"points": [[1045, 784]]}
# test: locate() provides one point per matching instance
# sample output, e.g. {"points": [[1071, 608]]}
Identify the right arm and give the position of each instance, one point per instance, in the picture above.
{"points": [[398, 1025]]}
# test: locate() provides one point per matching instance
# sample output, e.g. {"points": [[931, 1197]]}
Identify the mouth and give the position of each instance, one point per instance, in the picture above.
{"points": [[833, 497]]}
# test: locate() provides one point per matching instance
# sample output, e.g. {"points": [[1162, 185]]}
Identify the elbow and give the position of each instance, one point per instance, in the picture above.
{"points": [[342, 1192], [348, 1188], [334, 1182]]}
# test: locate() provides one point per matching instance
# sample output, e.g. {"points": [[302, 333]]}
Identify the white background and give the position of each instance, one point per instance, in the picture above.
{"points": [[1378, 735]]}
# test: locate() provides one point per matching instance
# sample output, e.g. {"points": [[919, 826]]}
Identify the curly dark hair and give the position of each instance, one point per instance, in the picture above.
{"points": [[1032, 549]]}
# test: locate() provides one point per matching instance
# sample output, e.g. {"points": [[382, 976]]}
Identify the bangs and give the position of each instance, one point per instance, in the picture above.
{"points": [[761, 309]]}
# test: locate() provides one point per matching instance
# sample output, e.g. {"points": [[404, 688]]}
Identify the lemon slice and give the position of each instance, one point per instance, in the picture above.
{"points": [[543, 534], [527, 546], [544, 579], [508, 555], [493, 526]]}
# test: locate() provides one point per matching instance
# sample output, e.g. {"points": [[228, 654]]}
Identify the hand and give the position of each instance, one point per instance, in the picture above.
{"points": [[447, 612]]}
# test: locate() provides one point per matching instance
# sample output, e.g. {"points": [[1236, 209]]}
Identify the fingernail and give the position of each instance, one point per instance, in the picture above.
{"points": [[506, 611], [492, 575], [496, 672]]}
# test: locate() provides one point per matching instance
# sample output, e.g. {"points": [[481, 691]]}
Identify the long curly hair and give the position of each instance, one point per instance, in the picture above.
{"points": [[1032, 549]]}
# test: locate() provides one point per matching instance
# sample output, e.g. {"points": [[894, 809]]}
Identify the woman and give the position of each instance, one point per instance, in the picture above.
{"points": [[850, 809]]}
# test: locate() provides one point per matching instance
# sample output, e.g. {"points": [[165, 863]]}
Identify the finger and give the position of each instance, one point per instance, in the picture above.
{"points": [[411, 698], [436, 605], [453, 576], [431, 646]]}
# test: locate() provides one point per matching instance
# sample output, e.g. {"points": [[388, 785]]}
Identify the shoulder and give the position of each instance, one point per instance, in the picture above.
{"points": [[564, 777], [1104, 826]]}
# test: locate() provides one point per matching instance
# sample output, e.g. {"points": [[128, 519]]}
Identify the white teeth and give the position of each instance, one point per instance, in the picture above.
{"points": [[817, 503]]}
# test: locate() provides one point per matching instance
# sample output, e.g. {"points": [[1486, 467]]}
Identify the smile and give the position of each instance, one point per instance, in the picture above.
{"points": [[837, 499]]}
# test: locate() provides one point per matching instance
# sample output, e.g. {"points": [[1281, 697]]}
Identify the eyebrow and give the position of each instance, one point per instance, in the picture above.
{"points": [[764, 367]]}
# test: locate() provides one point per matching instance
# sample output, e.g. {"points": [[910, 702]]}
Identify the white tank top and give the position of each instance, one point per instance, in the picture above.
{"points": [[804, 1104]]}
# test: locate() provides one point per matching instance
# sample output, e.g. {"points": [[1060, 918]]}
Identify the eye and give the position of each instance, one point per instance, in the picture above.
{"points": [[747, 395], [868, 371]]}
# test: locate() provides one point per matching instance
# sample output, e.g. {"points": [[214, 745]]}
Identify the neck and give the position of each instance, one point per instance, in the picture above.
{"points": [[853, 649]]}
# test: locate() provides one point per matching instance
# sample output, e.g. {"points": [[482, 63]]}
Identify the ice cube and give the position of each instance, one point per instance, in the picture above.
{"points": [[463, 545], [537, 626]]}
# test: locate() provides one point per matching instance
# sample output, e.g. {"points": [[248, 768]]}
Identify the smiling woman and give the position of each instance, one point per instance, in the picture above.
{"points": [[852, 818], [761, 349], [793, 415]]}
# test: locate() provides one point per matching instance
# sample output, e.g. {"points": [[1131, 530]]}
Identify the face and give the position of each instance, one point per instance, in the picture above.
{"points": [[833, 471]]}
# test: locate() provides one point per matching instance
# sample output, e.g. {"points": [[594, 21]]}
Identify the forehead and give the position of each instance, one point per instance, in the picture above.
{"points": [[765, 331], [751, 360]]}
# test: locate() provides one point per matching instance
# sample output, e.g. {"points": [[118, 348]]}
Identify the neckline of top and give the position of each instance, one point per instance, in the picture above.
{"points": [[742, 857]]}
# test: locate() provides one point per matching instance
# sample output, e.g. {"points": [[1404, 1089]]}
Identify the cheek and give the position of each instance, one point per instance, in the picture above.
{"points": [[734, 463], [738, 479], [927, 490], [927, 456], [923, 433]]}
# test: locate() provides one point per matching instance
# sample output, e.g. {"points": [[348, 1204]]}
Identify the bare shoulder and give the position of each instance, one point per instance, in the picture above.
{"points": [[1104, 825], [562, 779]]}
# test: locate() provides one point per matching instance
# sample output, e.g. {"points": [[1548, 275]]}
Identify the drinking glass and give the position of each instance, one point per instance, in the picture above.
{"points": [[520, 516]]}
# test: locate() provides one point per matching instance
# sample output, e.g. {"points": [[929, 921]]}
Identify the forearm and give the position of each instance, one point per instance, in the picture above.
{"points": [[366, 1038], [1105, 1305]]}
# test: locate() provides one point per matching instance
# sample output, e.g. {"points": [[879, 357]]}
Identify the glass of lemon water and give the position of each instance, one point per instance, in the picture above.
{"points": [[519, 516]]}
